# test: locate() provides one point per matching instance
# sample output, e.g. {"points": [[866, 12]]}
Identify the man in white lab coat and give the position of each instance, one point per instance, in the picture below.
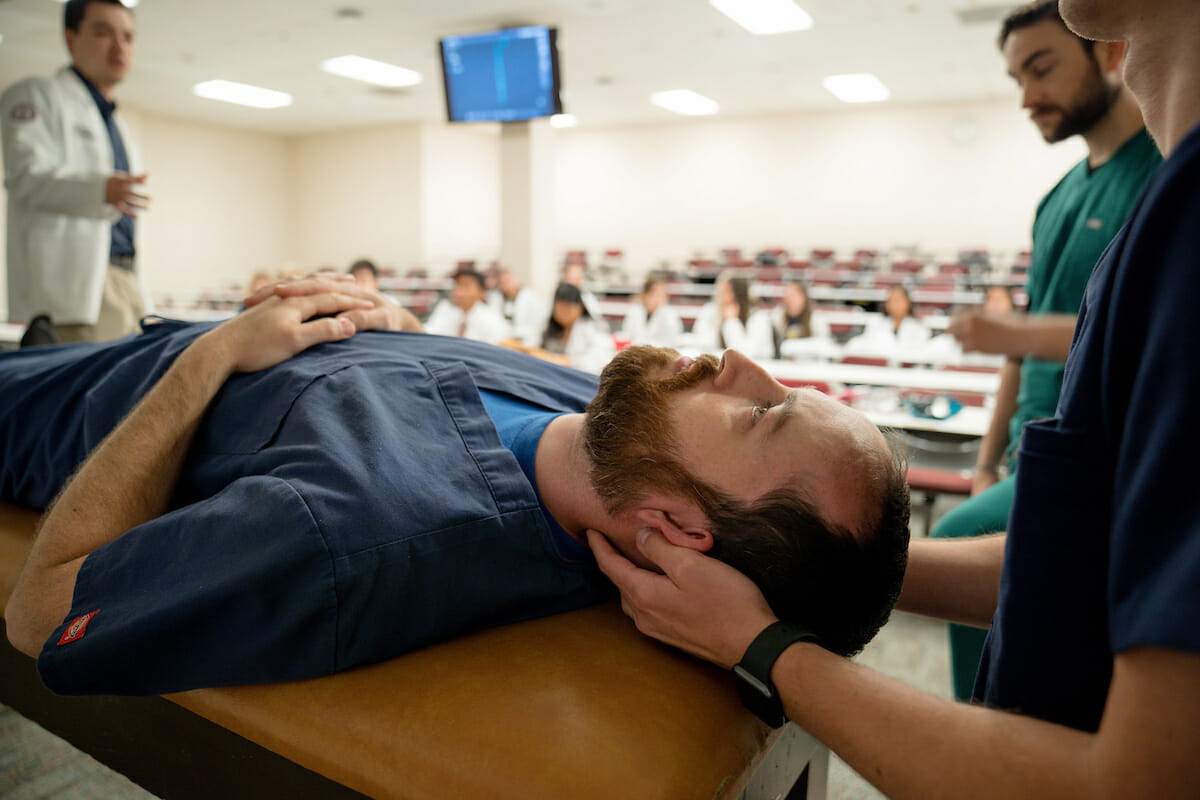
{"points": [[74, 185], [466, 313]]}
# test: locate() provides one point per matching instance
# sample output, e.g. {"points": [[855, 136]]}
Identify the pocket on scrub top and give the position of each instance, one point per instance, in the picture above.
{"points": [[1061, 510], [251, 407]]}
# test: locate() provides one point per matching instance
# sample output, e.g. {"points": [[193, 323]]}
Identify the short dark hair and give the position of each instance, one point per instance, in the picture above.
{"points": [[472, 273], [569, 293], [363, 263], [654, 279], [1031, 14], [837, 583], [564, 293], [75, 10]]}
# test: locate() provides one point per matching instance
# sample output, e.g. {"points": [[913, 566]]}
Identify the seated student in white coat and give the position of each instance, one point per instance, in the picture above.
{"points": [[897, 329], [732, 321], [575, 274], [800, 329], [651, 320], [573, 337], [466, 313], [74, 182], [520, 306]]}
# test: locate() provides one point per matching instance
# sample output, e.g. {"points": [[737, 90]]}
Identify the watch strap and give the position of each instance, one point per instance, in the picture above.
{"points": [[753, 672]]}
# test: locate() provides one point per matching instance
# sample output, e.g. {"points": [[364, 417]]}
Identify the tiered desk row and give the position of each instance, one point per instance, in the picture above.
{"points": [[899, 390]]}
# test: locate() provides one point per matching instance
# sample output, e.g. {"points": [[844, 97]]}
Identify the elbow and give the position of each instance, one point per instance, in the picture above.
{"points": [[19, 628]]}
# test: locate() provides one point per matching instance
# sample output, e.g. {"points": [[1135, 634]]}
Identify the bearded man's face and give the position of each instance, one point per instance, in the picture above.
{"points": [[627, 429]]}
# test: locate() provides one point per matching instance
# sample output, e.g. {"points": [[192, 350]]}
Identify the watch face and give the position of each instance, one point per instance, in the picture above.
{"points": [[753, 672], [759, 698], [751, 682]]}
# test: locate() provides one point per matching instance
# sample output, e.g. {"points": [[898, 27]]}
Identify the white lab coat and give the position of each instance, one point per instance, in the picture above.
{"points": [[57, 160], [526, 314], [755, 339], [663, 328], [590, 345], [482, 323]]}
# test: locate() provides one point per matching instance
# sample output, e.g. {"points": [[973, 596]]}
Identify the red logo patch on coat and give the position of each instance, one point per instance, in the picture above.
{"points": [[22, 112], [75, 630]]}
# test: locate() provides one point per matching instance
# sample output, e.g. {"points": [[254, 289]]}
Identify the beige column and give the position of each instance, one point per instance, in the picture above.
{"points": [[526, 205]]}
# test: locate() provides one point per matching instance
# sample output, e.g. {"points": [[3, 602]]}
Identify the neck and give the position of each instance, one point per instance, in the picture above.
{"points": [[1162, 68], [561, 467], [105, 89], [1115, 128]]}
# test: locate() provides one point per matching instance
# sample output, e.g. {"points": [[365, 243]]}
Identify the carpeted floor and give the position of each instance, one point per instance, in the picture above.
{"points": [[36, 765]]}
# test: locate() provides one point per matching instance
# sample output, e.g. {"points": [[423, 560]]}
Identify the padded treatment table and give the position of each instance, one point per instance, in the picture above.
{"points": [[577, 705]]}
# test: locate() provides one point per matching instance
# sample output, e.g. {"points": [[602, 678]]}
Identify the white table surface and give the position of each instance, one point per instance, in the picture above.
{"points": [[937, 380], [11, 333]]}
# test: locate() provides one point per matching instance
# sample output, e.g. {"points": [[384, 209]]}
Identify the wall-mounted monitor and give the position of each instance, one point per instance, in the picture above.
{"points": [[502, 75]]}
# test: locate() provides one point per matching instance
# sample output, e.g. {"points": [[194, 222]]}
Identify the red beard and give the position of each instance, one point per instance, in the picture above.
{"points": [[627, 430]]}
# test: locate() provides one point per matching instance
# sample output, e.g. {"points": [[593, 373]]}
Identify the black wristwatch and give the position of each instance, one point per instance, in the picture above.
{"points": [[753, 672]]}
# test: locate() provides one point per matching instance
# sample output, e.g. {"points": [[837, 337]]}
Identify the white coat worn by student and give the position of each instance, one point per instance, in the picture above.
{"points": [[57, 161]]}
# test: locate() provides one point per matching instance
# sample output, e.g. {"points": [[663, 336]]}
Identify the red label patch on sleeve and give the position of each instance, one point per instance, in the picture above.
{"points": [[75, 630]]}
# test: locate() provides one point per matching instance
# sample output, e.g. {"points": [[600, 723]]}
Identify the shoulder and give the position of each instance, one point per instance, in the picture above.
{"points": [[1064, 186], [760, 316], [1142, 152], [486, 310], [1163, 226], [32, 89]]}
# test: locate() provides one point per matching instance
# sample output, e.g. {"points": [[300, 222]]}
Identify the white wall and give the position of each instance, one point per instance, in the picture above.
{"points": [[875, 178], [220, 206], [460, 192], [356, 194], [227, 202]]}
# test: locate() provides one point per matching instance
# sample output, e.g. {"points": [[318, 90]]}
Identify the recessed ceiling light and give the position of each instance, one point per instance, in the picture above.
{"points": [[242, 94], [765, 17], [685, 101], [858, 88], [127, 3], [563, 121], [369, 71]]}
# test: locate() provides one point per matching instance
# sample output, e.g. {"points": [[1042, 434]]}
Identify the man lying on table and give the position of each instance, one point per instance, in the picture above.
{"points": [[289, 493]]}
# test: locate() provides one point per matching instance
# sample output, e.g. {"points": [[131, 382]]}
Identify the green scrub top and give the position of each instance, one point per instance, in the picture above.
{"points": [[1074, 224]]}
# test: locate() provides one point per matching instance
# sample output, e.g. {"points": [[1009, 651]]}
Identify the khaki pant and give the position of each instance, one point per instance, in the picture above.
{"points": [[121, 308]]}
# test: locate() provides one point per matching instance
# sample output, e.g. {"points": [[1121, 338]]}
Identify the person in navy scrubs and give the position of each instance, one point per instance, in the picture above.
{"points": [[1090, 681], [315, 485]]}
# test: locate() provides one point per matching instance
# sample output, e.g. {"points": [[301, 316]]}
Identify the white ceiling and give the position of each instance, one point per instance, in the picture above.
{"points": [[613, 53]]}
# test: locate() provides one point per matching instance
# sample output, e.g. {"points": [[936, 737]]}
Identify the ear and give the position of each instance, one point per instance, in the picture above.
{"points": [[682, 528], [1111, 56]]}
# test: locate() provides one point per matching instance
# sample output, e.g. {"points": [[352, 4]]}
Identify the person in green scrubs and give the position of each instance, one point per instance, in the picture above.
{"points": [[1071, 87]]}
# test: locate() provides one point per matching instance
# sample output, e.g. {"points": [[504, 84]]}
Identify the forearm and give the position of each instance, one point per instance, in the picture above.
{"points": [[954, 579], [126, 481], [1045, 336], [995, 441], [76, 195], [912, 745]]}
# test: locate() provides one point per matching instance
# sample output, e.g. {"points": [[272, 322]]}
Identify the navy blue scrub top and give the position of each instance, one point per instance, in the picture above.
{"points": [[1103, 551], [344, 507]]}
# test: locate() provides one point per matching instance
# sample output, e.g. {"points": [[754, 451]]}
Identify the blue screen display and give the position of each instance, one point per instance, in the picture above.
{"points": [[503, 75]]}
